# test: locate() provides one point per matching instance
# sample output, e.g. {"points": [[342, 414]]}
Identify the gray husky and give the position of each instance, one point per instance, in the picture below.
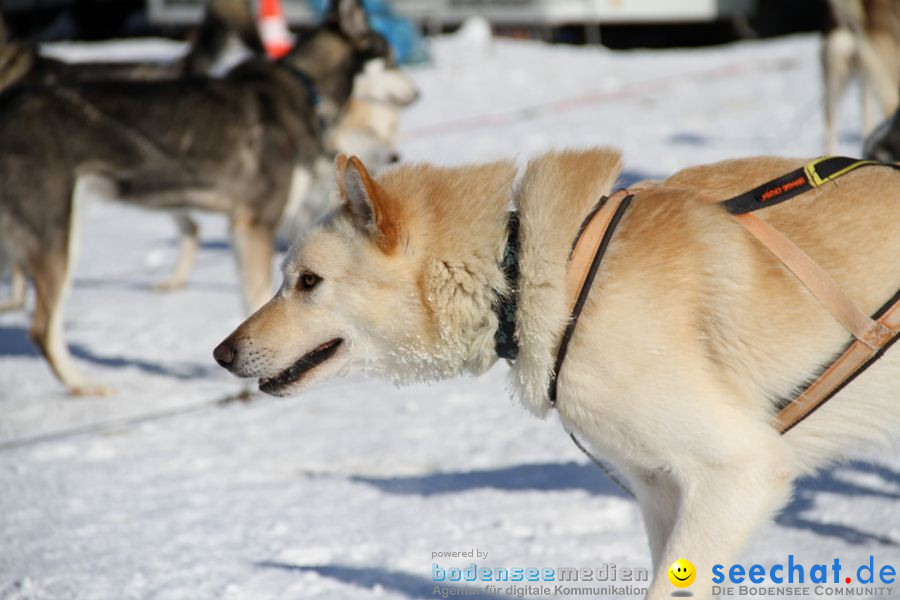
{"points": [[230, 145], [367, 125]]}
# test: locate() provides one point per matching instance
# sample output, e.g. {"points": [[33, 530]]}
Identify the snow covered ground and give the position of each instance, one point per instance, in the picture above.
{"points": [[174, 490]]}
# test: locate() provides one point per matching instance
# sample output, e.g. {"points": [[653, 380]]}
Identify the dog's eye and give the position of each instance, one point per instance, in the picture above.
{"points": [[308, 281]]}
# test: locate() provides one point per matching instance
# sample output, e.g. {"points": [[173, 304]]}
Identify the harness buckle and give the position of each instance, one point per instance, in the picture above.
{"points": [[879, 335]]}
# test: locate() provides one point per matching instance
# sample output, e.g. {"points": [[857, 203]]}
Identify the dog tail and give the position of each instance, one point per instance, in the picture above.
{"points": [[222, 19], [17, 58]]}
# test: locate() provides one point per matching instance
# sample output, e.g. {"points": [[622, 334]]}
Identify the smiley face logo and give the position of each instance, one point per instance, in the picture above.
{"points": [[682, 573]]}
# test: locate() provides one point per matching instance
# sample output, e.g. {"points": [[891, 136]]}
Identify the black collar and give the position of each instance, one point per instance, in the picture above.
{"points": [[305, 81], [505, 342]]}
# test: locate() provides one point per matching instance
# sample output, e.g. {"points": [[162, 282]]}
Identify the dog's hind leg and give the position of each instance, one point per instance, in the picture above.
{"points": [[838, 56], [865, 107], [878, 76], [187, 252], [254, 244], [722, 500], [17, 285], [50, 274]]}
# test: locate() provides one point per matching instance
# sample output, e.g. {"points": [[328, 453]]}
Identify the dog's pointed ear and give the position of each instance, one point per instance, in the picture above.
{"points": [[340, 169], [350, 16], [368, 204]]}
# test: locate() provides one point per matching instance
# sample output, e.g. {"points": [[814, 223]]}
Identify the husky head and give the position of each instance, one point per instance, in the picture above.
{"points": [[343, 59], [399, 280], [368, 127], [381, 81], [335, 52]]}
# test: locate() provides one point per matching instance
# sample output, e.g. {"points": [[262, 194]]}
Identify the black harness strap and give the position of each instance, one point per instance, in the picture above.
{"points": [[505, 307], [796, 182], [585, 288]]}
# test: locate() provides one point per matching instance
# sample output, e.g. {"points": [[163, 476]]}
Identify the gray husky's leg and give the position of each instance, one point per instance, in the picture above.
{"points": [[16, 298], [50, 269], [254, 244], [187, 251], [51, 278]]}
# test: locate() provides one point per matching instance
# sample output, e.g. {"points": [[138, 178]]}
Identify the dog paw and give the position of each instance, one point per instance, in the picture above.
{"points": [[168, 285], [92, 390], [11, 306]]}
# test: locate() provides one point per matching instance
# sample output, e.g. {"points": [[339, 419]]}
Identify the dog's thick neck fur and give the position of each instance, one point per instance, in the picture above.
{"points": [[454, 226], [457, 218], [556, 193]]}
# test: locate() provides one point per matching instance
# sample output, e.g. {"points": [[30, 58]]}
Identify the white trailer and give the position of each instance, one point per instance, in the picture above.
{"points": [[435, 14]]}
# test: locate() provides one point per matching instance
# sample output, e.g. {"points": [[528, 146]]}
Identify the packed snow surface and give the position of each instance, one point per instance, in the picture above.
{"points": [[175, 489]]}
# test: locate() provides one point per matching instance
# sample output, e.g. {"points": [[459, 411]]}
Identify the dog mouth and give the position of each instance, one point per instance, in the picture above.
{"points": [[304, 365]]}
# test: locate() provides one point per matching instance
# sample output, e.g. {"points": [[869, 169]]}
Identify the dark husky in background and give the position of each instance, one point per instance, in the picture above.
{"points": [[22, 64], [367, 124], [229, 145], [884, 143]]}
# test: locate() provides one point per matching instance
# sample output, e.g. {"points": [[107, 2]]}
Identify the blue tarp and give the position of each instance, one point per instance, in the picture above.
{"points": [[404, 36]]}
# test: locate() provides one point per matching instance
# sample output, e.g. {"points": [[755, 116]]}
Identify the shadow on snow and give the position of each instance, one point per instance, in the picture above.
{"points": [[828, 482], [542, 476], [412, 586], [586, 477], [14, 342]]}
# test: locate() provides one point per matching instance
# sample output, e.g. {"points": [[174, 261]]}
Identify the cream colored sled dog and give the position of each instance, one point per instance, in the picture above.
{"points": [[691, 332]]}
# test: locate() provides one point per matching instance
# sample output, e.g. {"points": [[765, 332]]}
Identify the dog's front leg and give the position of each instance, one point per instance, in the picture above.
{"points": [[254, 243], [658, 496], [720, 505]]}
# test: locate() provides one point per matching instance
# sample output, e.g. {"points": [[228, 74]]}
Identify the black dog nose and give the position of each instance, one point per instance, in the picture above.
{"points": [[394, 158], [224, 354]]}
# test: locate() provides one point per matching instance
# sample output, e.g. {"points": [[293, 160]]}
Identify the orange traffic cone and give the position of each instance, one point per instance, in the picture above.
{"points": [[273, 29]]}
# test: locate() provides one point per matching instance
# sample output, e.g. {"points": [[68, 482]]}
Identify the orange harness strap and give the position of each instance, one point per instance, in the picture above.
{"points": [[584, 261], [585, 256], [825, 289], [586, 247], [855, 359], [872, 336]]}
